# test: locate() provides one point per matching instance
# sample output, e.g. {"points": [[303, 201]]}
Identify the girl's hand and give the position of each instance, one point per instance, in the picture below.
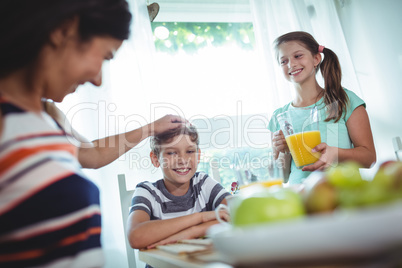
{"points": [[329, 156], [279, 144], [166, 123]]}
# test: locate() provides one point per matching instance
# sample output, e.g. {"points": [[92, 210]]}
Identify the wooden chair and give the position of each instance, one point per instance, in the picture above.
{"points": [[125, 202], [397, 148]]}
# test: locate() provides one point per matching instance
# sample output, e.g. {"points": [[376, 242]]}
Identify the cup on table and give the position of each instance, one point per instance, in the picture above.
{"points": [[302, 134], [232, 202]]}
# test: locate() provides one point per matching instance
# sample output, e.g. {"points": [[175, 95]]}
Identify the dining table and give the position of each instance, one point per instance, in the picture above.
{"points": [[211, 258], [345, 238], [159, 258]]}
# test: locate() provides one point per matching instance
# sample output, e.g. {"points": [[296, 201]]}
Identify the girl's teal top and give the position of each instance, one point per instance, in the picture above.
{"points": [[334, 134]]}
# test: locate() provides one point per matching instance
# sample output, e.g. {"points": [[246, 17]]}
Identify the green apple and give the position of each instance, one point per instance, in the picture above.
{"points": [[367, 195], [273, 204], [345, 175], [385, 187]]}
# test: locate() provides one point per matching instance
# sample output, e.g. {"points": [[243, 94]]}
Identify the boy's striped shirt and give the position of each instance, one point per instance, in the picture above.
{"points": [[204, 194]]}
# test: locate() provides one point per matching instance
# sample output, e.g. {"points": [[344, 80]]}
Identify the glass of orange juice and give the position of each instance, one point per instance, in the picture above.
{"points": [[302, 134]]}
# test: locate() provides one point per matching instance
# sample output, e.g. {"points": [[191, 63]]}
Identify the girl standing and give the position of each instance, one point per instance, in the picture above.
{"points": [[344, 123]]}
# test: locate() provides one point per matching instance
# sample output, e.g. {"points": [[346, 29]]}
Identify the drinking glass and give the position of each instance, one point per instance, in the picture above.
{"points": [[267, 175], [302, 134]]}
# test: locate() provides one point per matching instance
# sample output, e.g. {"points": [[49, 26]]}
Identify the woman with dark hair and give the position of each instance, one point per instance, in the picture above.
{"points": [[345, 126], [49, 210]]}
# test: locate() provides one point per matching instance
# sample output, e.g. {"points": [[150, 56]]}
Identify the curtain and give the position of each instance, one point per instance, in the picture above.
{"points": [[276, 17]]}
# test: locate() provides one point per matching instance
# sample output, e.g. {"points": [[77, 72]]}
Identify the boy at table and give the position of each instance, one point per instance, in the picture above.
{"points": [[181, 205]]}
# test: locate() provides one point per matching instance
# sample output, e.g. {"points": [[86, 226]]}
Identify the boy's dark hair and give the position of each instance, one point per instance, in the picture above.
{"points": [[25, 25], [167, 136]]}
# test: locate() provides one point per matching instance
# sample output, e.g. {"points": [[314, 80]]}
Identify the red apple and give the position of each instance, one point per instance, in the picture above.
{"points": [[389, 175], [387, 163]]}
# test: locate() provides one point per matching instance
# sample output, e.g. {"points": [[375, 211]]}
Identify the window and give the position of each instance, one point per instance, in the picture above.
{"points": [[210, 71]]}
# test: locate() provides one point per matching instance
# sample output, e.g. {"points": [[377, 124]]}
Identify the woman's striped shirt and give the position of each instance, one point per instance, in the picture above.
{"points": [[49, 210]]}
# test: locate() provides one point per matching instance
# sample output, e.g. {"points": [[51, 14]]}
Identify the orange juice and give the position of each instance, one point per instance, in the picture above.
{"points": [[300, 145], [267, 183]]}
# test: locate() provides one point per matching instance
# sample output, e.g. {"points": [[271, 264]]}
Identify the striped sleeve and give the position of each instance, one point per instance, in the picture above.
{"points": [[142, 199], [212, 190]]}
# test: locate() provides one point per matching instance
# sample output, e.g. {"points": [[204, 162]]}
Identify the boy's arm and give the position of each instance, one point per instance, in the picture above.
{"points": [[144, 232], [193, 231], [189, 233]]}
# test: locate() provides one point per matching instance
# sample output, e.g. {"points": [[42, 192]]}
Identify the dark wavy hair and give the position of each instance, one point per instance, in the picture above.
{"points": [[335, 97], [167, 136], [25, 25]]}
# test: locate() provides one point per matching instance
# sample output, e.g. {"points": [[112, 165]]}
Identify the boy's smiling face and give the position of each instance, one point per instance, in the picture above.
{"points": [[178, 160]]}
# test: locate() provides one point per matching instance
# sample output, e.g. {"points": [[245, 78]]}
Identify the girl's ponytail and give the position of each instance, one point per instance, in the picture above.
{"points": [[335, 97]]}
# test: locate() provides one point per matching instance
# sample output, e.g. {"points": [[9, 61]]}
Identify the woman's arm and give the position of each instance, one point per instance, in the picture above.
{"points": [[361, 136], [108, 149], [98, 153]]}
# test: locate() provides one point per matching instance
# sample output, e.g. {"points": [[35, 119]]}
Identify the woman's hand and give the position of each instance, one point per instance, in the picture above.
{"points": [[329, 156], [279, 144], [166, 123]]}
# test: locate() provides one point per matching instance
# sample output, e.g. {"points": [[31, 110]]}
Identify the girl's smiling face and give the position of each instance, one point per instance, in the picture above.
{"points": [[297, 62]]}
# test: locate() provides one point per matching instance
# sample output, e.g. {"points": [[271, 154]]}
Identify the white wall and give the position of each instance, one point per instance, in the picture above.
{"points": [[373, 32]]}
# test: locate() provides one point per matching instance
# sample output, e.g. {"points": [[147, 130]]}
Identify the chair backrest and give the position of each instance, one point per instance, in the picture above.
{"points": [[214, 165], [397, 147], [125, 202]]}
